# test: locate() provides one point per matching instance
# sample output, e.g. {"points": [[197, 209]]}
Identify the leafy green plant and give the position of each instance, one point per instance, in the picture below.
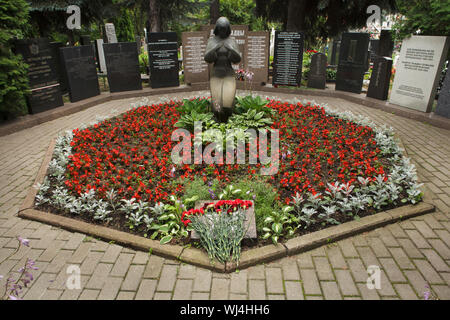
{"points": [[198, 105], [247, 103], [250, 119], [279, 224], [187, 121]]}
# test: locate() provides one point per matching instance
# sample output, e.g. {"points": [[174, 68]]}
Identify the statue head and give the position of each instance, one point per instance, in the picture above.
{"points": [[222, 28]]}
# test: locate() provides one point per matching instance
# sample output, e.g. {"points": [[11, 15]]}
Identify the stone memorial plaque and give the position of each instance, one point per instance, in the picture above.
{"points": [[353, 62], [239, 33], [257, 55], [381, 78], [163, 59], [443, 106], [100, 55], [317, 76], [43, 75], [418, 72], [60, 66], [249, 222], [386, 45], [288, 59], [195, 66], [81, 72], [122, 63], [110, 33]]}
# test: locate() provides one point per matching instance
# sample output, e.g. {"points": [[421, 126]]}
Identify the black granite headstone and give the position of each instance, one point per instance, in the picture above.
{"points": [[122, 63], [60, 66], [85, 40], [443, 106], [374, 47], [317, 76], [335, 53], [163, 59], [352, 62], [288, 58], [42, 74], [381, 78], [81, 72], [386, 46]]}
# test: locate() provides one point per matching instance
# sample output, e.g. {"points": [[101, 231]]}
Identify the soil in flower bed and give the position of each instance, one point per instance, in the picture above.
{"points": [[131, 154]]}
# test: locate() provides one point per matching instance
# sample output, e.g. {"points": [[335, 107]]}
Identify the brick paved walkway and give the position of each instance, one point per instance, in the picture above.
{"points": [[411, 254]]}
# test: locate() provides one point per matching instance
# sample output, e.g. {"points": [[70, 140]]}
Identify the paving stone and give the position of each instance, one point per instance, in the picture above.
{"points": [[167, 278], [99, 276], [438, 263], [220, 289], [74, 241], [59, 261], [401, 258], [304, 261], [428, 272], [346, 283], [202, 281], [140, 258], [378, 247], [187, 271], [238, 296], [310, 282], [146, 289], [424, 229], [200, 295], [442, 292], [256, 290], [133, 278], [410, 249], [367, 256], [417, 281], [51, 295], [330, 290], [336, 258], [418, 240], [276, 297], [126, 295], [392, 270], [359, 272], [154, 267], [40, 285], [440, 247], [110, 289], [80, 253], [348, 249], [256, 272], [323, 268], [89, 294], [121, 265], [111, 253], [183, 290], [290, 270], [238, 282], [405, 291], [314, 298], [293, 290], [366, 293]]}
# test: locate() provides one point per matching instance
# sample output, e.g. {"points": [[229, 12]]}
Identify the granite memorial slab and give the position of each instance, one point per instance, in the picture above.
{"points": [[163, 59], [122, 63], [288, 59], [257, 55], [353, 62], [110, 33], [334, 57], [443, 105], [386, 45], [374, 48], [419, 71], [60, 66], [317, 76], [195, 67], [381, 78], [43, 75], [81, 72]]}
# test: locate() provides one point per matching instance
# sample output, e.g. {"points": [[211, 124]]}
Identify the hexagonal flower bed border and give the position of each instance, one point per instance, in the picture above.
{"points": [[198, 257]]}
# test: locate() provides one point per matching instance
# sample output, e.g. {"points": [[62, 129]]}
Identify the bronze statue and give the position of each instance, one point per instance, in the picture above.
{"points": [[222, 51]]}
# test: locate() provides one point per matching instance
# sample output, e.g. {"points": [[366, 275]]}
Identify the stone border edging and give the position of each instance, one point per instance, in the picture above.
{"points": [[29, 121], [198, 257]]}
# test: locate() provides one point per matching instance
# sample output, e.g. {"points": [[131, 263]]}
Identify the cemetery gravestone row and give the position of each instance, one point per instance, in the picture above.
{"points": [[122, 64], [42, 74], [381, 78], [288, 59], [195, 67], [163, 59], [317, 76], [81, 72], [257, 55]]}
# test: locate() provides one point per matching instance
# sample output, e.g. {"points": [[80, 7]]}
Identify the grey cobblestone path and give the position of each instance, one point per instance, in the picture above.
{"points": [[411, 254]]}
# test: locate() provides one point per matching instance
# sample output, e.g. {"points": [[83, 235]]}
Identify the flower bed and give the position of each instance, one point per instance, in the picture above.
{"points": [[334, 168]]}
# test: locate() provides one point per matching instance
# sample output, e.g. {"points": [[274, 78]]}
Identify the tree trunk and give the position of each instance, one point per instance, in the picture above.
{"points": [[296, 15], [154, 16], [214, 11]]}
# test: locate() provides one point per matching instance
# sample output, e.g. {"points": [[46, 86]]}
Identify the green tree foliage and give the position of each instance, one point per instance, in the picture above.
{"points": [[13, 72], [238, 11], [431, 17], [124, 26]]}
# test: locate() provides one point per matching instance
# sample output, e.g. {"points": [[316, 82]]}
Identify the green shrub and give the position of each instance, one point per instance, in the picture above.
{"points": [[13, 71]]}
